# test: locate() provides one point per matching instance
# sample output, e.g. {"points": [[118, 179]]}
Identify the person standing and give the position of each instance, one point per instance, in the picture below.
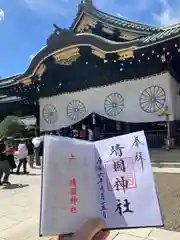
{"points": [[83, 133], [10, 150], [75, 133], [4, 165], [36, 142], [41, 149], [71, 132], [22, 156], [90, 135], [30, 148]]}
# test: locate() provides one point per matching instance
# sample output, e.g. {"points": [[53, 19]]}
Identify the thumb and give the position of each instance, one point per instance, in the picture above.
{"points": [[89, 229], [56, 238], [102, 235]]}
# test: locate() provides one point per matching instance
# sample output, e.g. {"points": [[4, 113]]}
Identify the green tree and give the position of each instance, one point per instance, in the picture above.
{"points": [[11, 126]]}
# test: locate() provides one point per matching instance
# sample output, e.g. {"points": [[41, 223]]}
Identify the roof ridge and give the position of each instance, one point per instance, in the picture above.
{"points": [[130, 21], [85, 4], [172, 26], [9, 78], [89, 2]]}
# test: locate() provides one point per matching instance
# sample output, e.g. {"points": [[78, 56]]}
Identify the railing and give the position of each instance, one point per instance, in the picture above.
{"points": [[155, 139], [177, 139]]}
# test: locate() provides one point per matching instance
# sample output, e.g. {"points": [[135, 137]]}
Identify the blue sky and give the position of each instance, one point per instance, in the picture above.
{"points": [[26, 24]]}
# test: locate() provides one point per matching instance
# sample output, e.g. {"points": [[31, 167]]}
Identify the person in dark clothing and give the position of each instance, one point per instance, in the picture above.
{"points": [[70, 132], [30, 148], [75, 133], [41, 147], [4, 165], [10, 156], [22, 162]]}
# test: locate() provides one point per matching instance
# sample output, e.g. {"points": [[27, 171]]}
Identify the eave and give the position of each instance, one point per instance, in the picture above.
{"points": [[168, 34], [12, 99], [113, 21], [87, 39], [77, 19], [64, 41], [9, 81]]}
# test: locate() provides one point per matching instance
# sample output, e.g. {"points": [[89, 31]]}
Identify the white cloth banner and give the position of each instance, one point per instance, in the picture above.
{"points": [[139, 100]]}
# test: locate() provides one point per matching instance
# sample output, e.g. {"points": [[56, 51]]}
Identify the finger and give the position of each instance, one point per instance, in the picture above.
{"points": [[56, 238], [102, 235], [89, 230]]}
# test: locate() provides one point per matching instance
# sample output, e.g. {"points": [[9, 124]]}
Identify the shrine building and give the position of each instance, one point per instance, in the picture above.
{"points": [[106, 71]]}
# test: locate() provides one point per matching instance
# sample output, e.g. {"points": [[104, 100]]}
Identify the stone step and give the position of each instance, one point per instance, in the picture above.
{"points": [[165, 159], [165, 153], [164, 156], [166, 164], [172, 160]]}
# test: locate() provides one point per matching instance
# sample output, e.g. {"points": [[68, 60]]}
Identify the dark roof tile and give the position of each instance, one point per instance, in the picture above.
{"points": [[88, 8], [10, 99], [166, 34]]}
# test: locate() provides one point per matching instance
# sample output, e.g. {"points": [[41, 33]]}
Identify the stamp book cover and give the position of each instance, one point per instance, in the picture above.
{"points": [[111, 179]]}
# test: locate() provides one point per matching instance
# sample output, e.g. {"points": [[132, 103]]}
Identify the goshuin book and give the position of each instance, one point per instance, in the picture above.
{"points": [[111, 179]]}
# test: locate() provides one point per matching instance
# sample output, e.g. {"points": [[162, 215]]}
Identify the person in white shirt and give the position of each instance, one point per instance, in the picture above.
{"points": [[90, 135], [22, 155], [36, 141]]}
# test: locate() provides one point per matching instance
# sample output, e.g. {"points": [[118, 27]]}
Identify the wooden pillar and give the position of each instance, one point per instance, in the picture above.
{"points": [[127, 127], [173, 135], [37, 157], [173, 129]]}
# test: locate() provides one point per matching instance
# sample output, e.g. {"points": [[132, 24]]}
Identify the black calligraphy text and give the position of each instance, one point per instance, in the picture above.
{"points": [[140, 158], [117, 150], [119, 165], [101, 186], [137, 142], [124, 207], [121, 183]]}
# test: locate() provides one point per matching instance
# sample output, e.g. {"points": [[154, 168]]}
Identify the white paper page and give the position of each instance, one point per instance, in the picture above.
{"points": [[130, 198], [69, 180]]}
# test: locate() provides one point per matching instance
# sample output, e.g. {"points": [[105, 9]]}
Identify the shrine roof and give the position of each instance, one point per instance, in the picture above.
{"points": [[87, 7], [161, 36], [9, 81], [5, 99], [172, 26], [68, 38]]}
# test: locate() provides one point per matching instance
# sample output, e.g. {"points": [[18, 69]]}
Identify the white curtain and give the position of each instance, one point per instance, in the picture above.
{"points": [[138, 100]]}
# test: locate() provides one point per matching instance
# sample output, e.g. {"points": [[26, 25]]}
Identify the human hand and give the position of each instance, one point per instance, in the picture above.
{"points": [[91, 230]]}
